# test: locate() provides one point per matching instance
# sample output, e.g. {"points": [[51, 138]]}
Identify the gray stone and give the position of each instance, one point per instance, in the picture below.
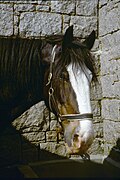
{"points": [[53, 125], [83, 26], [34, 137], [86, 8], [97, 147], [24, 7], [6, 7], [110, 88], [51, 136], [32, 119], [49, 146], [96, 108], [6, 20], [109, 66], [61, 6], [42, 8], [98, 130], [54, 148], [96, 91], [110, 41], [97, 120], [44, 2], [16, 22], [66, 19], [102, 3], [111, 131], [60, 149], [27, 1], [36, 24], [111, 135], [109, 20], [110, 109]]}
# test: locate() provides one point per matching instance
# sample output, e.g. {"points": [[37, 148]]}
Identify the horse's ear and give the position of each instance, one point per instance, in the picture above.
{"points": [[68, 37], [89, 42]]}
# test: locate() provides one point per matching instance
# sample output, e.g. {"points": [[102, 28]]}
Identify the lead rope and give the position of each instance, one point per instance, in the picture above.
{"points": [[51, 65], [51, 90]]}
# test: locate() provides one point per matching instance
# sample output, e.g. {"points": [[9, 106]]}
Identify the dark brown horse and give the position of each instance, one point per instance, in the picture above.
{"points": [[58, 70]]}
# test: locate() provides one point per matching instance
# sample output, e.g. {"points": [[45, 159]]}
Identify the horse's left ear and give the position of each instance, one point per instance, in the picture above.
{"points": [[89, 42], [68, 37]]}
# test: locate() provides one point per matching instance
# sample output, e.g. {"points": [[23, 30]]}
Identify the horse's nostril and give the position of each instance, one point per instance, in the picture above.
{"points": [[75, 137]]}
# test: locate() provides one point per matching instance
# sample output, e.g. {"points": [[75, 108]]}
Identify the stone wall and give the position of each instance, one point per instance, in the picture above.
{"points": [[109, 36], [33, 19]]}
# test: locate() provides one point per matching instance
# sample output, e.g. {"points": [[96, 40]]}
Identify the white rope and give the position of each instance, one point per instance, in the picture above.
{"points": [[53, 53]]}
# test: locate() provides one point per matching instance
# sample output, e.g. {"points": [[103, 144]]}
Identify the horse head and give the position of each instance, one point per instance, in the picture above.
{"points": [[68, 75]]}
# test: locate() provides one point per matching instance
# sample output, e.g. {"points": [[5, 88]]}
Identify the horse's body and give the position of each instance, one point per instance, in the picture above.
{"points": [[58, 72]]}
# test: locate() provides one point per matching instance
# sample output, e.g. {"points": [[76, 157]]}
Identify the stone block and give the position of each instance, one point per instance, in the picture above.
{"points": [[49, 146], [110, 109], [98, 130], [54, 148], [97, 147], [97, 120], [86, 8], [83, 26], [39, 24], [6, 20], [109, 66], [111, 134], [42, 8], [110, 41], [60, 149], [53, 125], [6, 7], [33, 119], [24, 2], [96, 108], [44, 2], [96, 91], [67, 7], [66, 19], [34, 137], [51, 136], [102, 3], [111, 131], [110, 88], [24, 7], [108, 19]]}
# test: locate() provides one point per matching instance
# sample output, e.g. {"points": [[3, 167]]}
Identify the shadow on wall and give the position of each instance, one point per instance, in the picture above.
{"points": [[16, 151]]}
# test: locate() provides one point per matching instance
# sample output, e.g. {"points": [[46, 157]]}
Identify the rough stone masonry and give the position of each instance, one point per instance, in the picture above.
{"points": [[33, 19]]}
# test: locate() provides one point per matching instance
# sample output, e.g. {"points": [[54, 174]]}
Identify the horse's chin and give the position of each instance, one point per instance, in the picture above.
{"points": [[73, 150]]}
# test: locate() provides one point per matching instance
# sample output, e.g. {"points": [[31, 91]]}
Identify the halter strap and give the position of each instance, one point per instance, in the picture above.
{"points": [[77, 116]]}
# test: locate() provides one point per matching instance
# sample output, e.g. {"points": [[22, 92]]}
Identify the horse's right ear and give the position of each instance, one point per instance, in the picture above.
{"points": [[89, 42], [68, 37]]}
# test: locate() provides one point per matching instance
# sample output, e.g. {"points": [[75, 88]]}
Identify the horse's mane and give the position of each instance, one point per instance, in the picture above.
{"points": [[80, 56], [20, 59]]}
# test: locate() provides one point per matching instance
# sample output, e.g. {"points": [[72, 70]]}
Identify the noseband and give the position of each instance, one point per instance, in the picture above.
{"points": [[70, 117]]}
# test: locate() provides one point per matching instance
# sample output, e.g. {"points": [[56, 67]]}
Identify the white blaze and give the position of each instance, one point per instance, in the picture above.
{"points": [[81, 87], [80, 84]]}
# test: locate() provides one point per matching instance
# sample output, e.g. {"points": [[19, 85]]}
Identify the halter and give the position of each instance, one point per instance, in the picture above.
{"points": [[70, 117]]}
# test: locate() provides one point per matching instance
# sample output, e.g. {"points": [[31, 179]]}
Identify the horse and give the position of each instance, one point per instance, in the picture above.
{"points": [[57, 69]]}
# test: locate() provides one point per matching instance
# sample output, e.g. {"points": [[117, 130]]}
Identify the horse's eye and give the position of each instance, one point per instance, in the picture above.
{"points": [[60, 50]]}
